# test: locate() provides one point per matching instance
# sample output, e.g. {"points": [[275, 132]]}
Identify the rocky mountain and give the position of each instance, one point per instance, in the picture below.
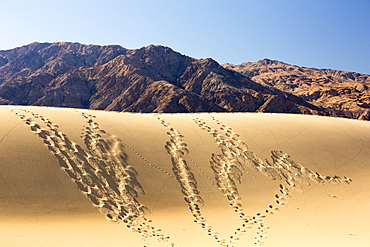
{"points": [[338, 93], [150, 79]]}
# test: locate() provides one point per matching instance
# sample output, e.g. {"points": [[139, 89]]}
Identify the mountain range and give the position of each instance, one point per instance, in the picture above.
{"points": [[157, 79], [338, 93]]}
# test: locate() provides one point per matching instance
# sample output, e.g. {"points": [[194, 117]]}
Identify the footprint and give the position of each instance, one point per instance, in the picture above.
{"points": [[101, 171]]}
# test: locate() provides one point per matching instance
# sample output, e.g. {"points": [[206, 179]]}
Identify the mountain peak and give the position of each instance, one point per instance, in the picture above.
{"points": [[345, 94], [267, 61], [153, 46], [156, 78]]}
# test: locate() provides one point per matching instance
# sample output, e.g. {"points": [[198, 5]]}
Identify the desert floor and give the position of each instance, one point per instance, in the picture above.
{"points": [[72, 177]]}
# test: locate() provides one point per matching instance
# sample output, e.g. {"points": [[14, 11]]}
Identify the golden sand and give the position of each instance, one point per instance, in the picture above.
{"points": [[72, 177]]}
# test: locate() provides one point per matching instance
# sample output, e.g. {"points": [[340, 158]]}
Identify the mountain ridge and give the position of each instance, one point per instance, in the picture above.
{"points": [[153, 78], [341, 93]]}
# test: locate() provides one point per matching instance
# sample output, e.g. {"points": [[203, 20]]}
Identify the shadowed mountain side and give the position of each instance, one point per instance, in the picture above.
{"points": [[339, 93], [206, 179], [113, 78], [54, 58]]}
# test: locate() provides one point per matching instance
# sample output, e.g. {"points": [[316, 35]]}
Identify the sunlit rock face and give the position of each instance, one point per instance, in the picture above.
{"points": [[149, 79], [72, 177], [340, 93]]}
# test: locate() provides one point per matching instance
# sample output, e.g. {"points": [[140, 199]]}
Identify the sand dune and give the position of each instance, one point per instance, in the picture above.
{"points": [[72, 177]]}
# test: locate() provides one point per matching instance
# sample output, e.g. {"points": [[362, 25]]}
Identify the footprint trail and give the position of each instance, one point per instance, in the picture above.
{"points": [[100, 171], [235, 156], [178, 151]]}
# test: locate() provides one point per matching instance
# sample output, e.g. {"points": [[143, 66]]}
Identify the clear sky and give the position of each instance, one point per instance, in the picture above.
{"points": [[315, 33]]}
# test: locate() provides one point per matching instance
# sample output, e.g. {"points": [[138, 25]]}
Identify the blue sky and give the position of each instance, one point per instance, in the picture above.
{"points": [[316, 33]]}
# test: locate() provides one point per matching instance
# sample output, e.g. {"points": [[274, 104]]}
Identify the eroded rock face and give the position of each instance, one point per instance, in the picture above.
{"points": [[149, 79], [338, 93]]}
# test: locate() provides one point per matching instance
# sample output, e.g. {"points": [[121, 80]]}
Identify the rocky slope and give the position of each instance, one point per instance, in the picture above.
{"points": [[338, 93], [150, 79]]}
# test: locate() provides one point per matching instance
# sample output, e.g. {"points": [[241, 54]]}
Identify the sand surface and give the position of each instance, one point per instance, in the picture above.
{"points": [[71, 177]]}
